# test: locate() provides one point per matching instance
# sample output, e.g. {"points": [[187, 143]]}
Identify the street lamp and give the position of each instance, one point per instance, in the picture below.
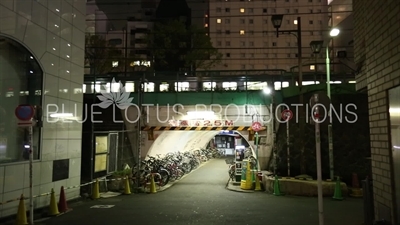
{"points": [[277, 22], [316, 47]]}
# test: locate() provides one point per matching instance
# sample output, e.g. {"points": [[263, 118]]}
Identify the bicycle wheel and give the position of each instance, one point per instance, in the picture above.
{"points": [[164, 178]]}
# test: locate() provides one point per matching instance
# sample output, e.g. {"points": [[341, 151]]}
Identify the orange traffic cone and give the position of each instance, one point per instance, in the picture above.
{"points": [[355, 190], [355, 183], [21, 214], [62, 203]]}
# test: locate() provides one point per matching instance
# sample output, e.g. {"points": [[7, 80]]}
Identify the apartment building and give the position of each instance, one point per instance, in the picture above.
{"points": [[244, 34]]}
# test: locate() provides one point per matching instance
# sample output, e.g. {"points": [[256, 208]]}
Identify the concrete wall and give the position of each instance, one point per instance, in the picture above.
{"points": [[377, 47], [53, 31]]}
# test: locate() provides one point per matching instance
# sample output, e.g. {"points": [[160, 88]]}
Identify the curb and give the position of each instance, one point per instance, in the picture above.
{"points": [[235, 190]]}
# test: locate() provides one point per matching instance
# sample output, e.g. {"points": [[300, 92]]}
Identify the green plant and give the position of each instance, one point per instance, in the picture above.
{"points": [[122, 173]]}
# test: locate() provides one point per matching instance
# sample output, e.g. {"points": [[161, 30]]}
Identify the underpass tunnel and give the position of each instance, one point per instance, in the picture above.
{"points": [[182, 141], [163, 130]]}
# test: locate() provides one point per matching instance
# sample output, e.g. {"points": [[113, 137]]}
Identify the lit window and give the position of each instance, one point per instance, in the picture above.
{"points": [[115, 87], [279, 85], [181, 86], [218, 20], [164, 87], [208, 86], [129, 86], [256, 85], [305, 83], [206, 25], [242, 10], [115, 64], [229, 86], [241, 32], [149, 87], [312, 67]]}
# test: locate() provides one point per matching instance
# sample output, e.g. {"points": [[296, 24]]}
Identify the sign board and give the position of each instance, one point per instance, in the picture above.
{"points": [[26, 123], [24, 112], [200, 123], [238, 168], [256, 126], [287, 114]]}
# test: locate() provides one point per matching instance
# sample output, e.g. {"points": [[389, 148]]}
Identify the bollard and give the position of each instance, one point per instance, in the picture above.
{"points": [[95, 192], [53, 208]]}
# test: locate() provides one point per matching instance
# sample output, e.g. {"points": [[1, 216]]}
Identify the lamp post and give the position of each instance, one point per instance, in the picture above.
{"points": [[277, 22], [271, 93], [142, 82], [316, 47]]}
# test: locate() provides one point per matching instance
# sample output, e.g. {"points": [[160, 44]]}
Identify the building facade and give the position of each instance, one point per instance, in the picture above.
{"points": [[41, 64], [244, 33], [376, 47]]}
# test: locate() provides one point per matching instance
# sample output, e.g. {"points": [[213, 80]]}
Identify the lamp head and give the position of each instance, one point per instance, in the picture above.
{"points": [[334, 32], [277, 20], [316, 46]]}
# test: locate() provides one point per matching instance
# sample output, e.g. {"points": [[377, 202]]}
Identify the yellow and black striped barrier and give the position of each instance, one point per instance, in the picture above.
{"points": [[208, 128]]}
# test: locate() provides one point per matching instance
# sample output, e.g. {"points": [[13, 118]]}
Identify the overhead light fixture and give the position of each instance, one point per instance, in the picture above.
{"points": [[267, 90], [334, 32], [394, 110], [200, 114], [61, 115]]}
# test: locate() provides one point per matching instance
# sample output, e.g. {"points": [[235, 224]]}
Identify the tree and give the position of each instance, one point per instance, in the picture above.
{"points": [[100, 55], [202, 54], [175, 46]]}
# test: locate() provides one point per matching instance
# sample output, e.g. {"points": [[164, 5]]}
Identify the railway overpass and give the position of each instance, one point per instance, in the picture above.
{"points": [[169, 123]]}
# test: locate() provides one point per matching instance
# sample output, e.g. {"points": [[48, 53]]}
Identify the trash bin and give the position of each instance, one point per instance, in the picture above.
{"points": [[246, 179], [368, 201]]}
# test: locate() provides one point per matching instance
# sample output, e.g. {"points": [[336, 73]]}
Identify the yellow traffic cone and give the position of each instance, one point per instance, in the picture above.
{"points": [[258, 185], [53, 210], [127, 190], [95, 192], [152, 185], [21, 214]]}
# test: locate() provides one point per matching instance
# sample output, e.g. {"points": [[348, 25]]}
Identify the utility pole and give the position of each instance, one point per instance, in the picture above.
{"points": [[277, 22], [139, 132]]}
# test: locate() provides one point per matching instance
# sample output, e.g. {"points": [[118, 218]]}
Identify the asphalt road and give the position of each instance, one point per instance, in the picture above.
{"points": [[201, 199]]}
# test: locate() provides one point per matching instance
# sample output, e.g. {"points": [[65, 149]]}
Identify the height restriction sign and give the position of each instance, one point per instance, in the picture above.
{"points": [[256, 126]]}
